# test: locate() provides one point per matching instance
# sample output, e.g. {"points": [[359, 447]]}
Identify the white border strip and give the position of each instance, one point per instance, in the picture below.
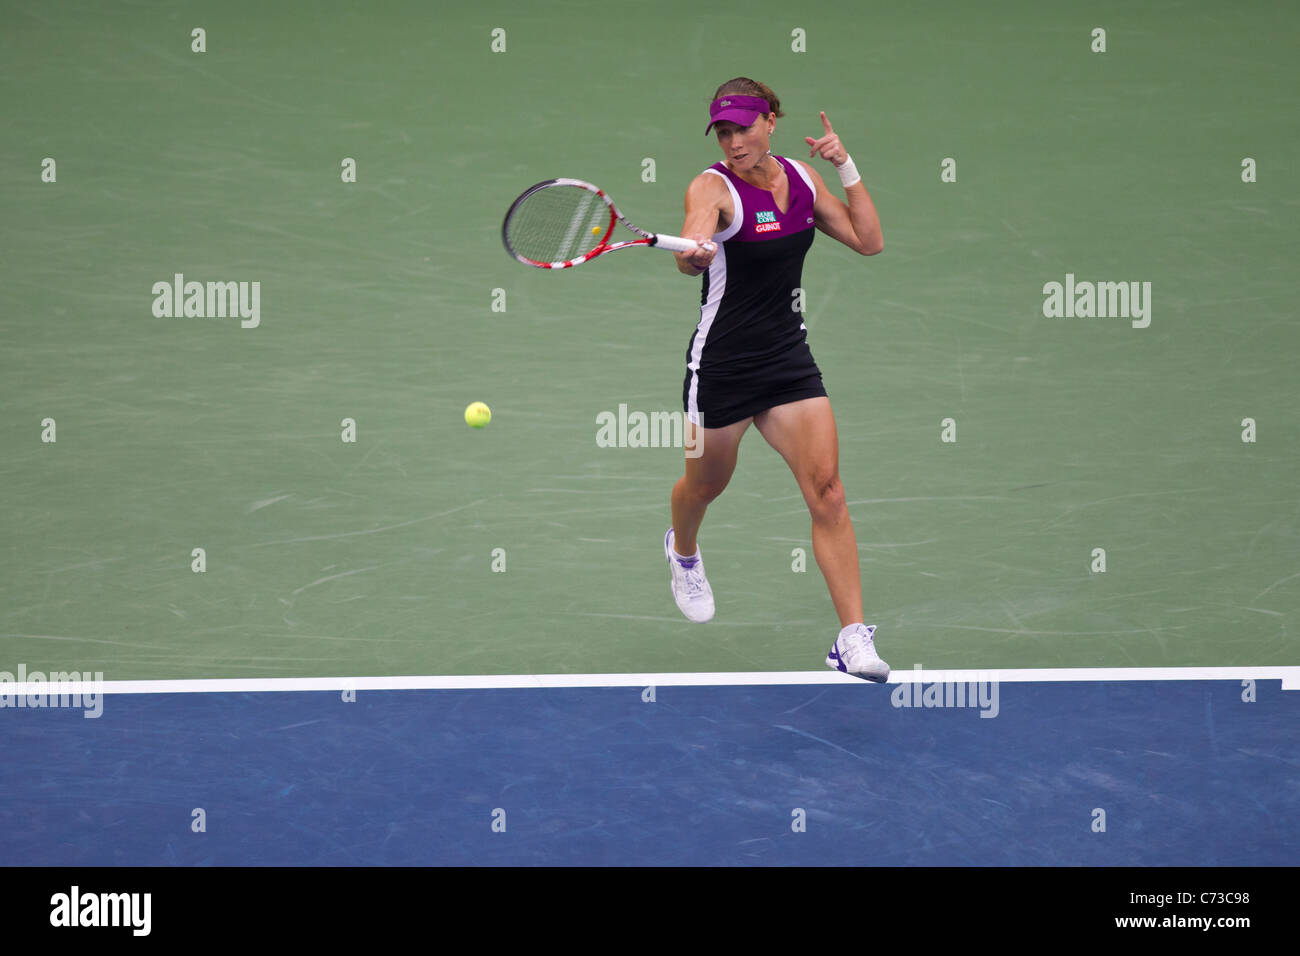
{"points": [[1290, 677]]}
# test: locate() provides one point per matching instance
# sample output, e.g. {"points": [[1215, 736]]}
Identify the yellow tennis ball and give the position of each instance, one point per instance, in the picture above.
{"points": [[595, 230], [477, 415]]}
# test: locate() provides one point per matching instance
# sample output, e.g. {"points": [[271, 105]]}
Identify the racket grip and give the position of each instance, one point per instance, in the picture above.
{"points": [[676, 243]]}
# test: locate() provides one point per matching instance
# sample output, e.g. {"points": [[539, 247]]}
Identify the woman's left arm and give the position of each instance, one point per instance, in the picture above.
{"points": [[856, 223]]}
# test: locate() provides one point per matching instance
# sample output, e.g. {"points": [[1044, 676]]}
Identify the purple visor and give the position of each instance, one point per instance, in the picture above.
{"points": [[741, 110]]}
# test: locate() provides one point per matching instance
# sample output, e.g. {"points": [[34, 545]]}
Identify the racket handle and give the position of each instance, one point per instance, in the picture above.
{"points": [[676, 243]]}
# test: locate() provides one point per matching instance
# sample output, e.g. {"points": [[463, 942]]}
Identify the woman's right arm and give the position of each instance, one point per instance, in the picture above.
{"points": [[705, 198]]}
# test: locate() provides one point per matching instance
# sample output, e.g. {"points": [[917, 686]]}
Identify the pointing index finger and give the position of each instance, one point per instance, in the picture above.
{"points": [[826, 123]]}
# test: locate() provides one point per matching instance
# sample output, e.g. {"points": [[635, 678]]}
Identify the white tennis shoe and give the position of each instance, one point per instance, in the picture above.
{"points": [[854, 652], [690, 587]]}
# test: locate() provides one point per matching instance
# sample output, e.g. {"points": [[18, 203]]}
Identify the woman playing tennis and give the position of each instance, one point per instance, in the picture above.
{"points": [[748, 359]]}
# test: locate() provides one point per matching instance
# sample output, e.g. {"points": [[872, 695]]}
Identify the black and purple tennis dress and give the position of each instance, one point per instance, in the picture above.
{"points": [[750, 350]]}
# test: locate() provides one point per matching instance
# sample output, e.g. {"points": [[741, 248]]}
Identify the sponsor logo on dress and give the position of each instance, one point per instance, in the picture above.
{"points": [[766, 222], [767, 216]]}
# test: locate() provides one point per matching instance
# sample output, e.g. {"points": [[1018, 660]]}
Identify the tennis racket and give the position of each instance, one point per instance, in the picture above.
{"points": [[561, 223]]}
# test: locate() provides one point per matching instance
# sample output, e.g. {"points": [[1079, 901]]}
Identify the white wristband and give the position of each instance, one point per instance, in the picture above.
{"points": [[848, 172]]}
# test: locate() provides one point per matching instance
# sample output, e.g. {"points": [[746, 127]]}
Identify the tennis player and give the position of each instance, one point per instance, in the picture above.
{"points": [[748, 360]]}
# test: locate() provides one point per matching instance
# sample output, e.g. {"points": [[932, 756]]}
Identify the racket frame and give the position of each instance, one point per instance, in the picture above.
{"points": [[645, 239]]}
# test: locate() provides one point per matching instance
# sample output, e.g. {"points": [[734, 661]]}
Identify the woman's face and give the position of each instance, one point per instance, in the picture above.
{"points": [[744, 147]]}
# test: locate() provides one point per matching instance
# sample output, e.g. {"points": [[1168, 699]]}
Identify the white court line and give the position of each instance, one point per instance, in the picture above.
{"points": [[1290, 677]]}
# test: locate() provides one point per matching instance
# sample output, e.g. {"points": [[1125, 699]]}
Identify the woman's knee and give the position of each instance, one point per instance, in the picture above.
{"points": [[706, 489], [708, 474], [825, 497]]}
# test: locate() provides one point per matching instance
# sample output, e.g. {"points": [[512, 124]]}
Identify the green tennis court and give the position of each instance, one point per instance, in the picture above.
{"points": [[390, 302]]}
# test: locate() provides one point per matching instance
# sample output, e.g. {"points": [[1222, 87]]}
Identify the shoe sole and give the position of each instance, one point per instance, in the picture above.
{"points": [[834, 664]]}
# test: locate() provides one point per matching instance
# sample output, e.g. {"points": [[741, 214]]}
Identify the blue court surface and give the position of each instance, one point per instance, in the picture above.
{"points": [[1186, 772]]}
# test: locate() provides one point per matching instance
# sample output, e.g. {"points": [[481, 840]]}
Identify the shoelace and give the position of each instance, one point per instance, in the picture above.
{"points": [[695, 578], [858, 642]]}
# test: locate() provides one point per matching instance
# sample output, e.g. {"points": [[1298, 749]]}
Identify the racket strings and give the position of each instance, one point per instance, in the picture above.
{"points": [[555, 224]]}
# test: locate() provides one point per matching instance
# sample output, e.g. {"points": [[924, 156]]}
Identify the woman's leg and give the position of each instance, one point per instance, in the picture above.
{"points": [[804, 434], [704, 479]]}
